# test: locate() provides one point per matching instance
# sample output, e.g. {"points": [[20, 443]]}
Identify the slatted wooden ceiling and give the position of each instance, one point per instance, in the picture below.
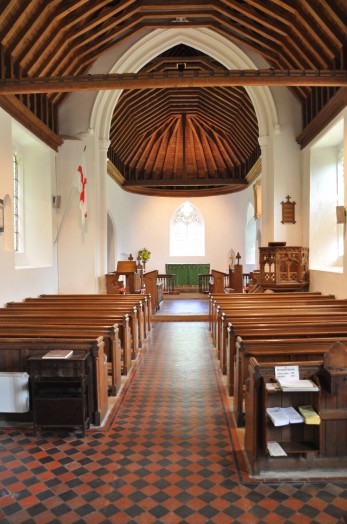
{"points": [[201, 140]]}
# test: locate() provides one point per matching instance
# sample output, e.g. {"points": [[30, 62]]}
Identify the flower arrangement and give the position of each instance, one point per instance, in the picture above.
{"points": [[144, 254]]}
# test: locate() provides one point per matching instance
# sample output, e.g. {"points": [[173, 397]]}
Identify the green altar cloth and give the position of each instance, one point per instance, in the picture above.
{"points": [[187, 274]]}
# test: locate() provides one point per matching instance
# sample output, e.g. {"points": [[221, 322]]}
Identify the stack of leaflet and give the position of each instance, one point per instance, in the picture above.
{"points": [[309, 414], [297, 385], [284, 416]]}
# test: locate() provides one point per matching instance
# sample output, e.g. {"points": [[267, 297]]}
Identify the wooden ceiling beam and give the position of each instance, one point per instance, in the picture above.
{"points": [[279, 27], [247, 77], [191, 182], [275, 10], [324, 22], [183, 192]]}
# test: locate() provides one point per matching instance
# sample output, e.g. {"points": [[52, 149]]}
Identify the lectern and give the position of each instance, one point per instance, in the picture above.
{"points": [[129, 272]]}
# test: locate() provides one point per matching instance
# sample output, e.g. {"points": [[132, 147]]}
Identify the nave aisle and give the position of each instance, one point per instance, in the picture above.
{"points": [[168, 455]]}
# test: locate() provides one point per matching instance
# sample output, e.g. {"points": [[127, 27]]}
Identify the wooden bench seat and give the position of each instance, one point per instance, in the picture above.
{"points": [[122, 324], [99, 321], [117, 359], [142, 302], [217, 307], [84, 310], [259, 315], [281, 328], [114, 315], [89, 318], [273, 310], [230, 299], [144, 299]]}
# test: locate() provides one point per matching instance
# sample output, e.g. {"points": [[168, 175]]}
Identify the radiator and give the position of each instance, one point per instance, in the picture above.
{"points": [[14, 392]]}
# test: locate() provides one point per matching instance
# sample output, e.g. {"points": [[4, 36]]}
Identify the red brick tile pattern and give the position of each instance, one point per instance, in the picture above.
{"points": [[167, 457]]}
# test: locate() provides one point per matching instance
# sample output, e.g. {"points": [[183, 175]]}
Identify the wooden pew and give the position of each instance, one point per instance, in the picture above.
{"points": [[239, 298], [278, 328], [133, 307], [259, 314], [143, 302], [114, 314], [218, 298], [218, 279], [274, 350], [15, 350], [229, 306], [56, 327], [97, 320], [150, 279], [243, 300], [58, 318]]}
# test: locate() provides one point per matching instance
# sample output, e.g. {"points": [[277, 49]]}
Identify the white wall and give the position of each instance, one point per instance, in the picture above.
{"points": [[145, 222], [286, 155], [76, 243], [41, 277]]}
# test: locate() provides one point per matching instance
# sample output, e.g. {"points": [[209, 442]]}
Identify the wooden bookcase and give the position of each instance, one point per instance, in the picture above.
{"points": [[59, 391], [320, 447], [295, 439]]}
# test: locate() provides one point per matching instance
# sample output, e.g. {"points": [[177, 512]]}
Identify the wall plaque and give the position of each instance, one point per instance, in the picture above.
{"points": [[288, 211]]}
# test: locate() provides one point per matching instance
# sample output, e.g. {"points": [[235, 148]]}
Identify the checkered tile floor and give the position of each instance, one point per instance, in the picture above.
{"points": [[166, 457]]}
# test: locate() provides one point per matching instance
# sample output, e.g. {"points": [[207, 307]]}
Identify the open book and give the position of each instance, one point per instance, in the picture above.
{"points": [[297, 385], [58, 353]]}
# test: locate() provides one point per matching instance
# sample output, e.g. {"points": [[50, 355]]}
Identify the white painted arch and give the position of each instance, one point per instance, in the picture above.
{"points": [[203, 39]]}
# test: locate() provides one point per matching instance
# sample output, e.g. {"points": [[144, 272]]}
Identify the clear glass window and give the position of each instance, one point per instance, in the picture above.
{"points": [[187, 232]]}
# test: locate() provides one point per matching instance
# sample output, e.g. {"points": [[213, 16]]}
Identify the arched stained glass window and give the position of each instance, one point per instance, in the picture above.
{"points": [[187, 232]]}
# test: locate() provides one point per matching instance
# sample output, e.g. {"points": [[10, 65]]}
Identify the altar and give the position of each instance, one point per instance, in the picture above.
{"points": [[187, 275]]}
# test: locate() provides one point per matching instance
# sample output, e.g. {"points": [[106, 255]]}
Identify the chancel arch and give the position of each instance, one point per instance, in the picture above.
{"points": [[202, 39]]}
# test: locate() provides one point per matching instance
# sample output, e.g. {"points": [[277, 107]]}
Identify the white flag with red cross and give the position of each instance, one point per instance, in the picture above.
{"points": [[82, 183]]}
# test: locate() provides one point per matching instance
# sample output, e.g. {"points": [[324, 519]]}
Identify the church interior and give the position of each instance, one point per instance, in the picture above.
{"points": [[173, 326]]}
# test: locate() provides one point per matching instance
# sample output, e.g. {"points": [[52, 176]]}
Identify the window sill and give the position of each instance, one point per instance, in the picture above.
{"points": [[337, 270]]}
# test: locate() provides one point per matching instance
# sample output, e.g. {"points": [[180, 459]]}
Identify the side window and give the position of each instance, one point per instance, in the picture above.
{"points": [[326, 192], [32, 218], [340, 199], [187, 232]]}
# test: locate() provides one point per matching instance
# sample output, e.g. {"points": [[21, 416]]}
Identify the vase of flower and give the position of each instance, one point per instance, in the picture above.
{"points": [[144, 255]]}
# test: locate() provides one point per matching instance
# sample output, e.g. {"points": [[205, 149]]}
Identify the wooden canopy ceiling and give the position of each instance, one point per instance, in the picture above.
{"points": [[194, 139]]}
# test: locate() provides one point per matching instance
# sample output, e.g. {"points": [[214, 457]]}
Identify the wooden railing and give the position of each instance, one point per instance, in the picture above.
{"points": [[205, 282], [168, 281], [246, 279], [210, 282]]}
